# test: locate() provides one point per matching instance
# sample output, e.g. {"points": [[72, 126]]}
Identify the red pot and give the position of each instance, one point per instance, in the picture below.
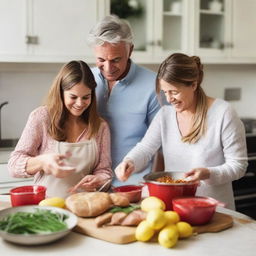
{"points": [[168, 191], [26, 195], [195, 210]]}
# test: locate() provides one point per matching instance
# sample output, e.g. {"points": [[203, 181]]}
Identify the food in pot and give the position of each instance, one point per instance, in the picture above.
{"points": [[168, 179]]}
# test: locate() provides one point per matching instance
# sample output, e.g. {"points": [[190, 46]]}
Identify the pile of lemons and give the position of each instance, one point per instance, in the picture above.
{"points": [[165, 224]]}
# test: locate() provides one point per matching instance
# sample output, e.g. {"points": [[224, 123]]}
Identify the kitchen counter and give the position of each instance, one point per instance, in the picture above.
{"points": [[236, 241]]}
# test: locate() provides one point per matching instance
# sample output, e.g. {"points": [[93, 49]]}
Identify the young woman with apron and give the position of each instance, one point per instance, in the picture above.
{"points": [[65, 145]]}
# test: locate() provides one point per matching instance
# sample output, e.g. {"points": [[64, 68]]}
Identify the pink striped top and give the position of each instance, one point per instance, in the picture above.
{"points": [[35, 140]]}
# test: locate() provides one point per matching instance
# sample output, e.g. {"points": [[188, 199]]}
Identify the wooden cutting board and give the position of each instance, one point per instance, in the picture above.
{"points": [[124, 235]]}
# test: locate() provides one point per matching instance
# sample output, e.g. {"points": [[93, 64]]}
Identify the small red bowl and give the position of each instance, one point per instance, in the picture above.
{"points": [[195, 210], [132, 192], [26, 195]]}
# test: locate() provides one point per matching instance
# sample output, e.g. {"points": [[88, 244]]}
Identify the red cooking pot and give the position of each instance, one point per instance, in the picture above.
{"points": [[168, 191]]}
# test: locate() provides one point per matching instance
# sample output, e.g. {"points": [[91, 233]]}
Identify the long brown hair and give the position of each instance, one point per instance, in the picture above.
{"points": [[71, 74], [185, 70]]}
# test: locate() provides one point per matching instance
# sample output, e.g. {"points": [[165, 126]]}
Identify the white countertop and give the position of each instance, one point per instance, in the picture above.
{"points": [[7, 182], [236, 241]]}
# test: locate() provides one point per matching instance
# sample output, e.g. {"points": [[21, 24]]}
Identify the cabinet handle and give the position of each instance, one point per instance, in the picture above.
{"points": [[150, 43], [27, 39], [32, 40], [159, 43], [222, 46], [229, 45]]}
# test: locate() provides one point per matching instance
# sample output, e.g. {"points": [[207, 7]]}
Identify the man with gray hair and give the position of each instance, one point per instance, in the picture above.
{"points": [[125, 92]]}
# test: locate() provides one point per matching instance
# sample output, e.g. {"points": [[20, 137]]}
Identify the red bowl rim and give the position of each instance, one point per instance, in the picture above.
{"points": [[40, 190], [212, 202], [138, 188]]}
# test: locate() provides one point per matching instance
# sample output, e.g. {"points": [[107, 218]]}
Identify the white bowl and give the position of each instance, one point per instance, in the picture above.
{"points": [[33, 239]]}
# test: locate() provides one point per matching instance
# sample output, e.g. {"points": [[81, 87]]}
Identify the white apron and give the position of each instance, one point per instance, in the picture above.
{"points": [[84, 157]]}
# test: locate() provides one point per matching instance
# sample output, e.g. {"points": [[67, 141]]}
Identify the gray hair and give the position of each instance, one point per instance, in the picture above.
{"points": [[112, 30]]}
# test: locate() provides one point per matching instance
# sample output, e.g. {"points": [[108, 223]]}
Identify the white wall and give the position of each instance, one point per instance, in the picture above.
{"points": [[26, 85], [219, 77]]}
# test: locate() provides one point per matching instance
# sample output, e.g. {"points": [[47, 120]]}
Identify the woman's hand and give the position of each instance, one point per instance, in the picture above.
{"points": [[90, 183], [198, 174], [124, 170], [54, 164]]}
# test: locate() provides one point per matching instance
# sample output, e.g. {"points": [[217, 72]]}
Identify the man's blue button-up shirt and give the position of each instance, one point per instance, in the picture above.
{"points": [[128, 109]]}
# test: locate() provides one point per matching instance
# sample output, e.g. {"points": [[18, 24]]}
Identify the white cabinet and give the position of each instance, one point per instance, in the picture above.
{"points": [[171, 27], [243, 36], [12, 28], [224, 31], [46, 30], [161, 29], [211, 28], [219, 31]]}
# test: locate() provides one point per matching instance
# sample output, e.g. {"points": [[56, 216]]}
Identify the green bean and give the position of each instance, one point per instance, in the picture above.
{"points": [[38, 222]]}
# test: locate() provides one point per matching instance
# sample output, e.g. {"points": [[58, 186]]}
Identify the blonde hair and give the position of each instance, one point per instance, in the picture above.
{"points": [[71, 74], [181, 69]]}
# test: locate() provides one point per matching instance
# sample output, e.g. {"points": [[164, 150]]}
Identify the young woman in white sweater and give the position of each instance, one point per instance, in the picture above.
{"points": [[198, 134]]}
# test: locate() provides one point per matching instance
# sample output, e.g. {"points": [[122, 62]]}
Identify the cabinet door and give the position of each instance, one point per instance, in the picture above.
{"points": [[62, 27], [12, 28], [212, 28], [139, 14], [171, 27], [244, 28]]}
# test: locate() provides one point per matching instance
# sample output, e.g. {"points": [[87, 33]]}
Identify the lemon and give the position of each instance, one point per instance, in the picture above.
{"points": [[143, 231], [156, 218], [172, 226], [53, 201], [152, 202], [168, 236], [185, 229], [172, 217]]}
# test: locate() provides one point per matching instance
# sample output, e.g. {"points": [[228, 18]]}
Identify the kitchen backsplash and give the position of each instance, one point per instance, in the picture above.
{"points": [[25, 85]]}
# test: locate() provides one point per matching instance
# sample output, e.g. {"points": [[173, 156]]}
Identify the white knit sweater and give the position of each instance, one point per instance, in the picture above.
{"points": [[222, 149]]}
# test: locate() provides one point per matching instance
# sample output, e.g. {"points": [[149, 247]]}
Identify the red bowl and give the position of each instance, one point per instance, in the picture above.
{"points": [[195, 210], [168, 191], [26, 195], [132, 192]]}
